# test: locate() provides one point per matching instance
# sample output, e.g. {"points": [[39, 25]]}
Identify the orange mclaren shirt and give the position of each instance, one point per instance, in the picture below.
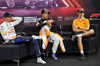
{"points": [[83, 23]]}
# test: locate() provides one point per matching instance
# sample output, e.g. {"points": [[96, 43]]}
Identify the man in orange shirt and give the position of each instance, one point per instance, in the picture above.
{"points": [[81, 29]]}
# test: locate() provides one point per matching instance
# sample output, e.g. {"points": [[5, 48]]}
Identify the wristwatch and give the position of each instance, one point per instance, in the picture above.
{"points": [[78, 27]]}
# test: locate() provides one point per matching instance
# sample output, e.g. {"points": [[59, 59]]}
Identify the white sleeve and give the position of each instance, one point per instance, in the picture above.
{"points": [[1, 28], [44, 21], [8, 37], [17, 20]]}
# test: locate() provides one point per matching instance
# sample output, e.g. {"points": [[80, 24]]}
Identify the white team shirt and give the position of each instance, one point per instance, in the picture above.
{"points": [[7, 29]]}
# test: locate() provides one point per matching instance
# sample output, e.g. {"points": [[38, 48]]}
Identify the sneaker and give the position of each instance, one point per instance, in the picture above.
{"points": [[73, 38], [54, 56], [39, 60], [82, 57], [36, 37]]}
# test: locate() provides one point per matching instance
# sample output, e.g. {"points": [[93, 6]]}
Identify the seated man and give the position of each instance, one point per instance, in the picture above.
{"points": [[9, 35], [81, 29], [45, 25]]}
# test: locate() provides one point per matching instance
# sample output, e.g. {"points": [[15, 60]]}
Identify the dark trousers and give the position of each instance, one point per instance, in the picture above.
{"points": [[27, 39], [76, 33]]}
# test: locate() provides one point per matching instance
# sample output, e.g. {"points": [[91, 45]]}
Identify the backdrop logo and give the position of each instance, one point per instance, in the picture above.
{"points": [[28, 20], [70, 18], [59, 18], [95, 16]]}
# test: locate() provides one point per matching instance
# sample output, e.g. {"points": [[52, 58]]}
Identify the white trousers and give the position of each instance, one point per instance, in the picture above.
{"points": [[57, 39]]}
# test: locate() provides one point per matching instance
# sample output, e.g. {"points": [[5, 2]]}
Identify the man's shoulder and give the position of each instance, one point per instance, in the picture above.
{"points": [[75, 20], [40, 20], [86, 19], [2, 24]]}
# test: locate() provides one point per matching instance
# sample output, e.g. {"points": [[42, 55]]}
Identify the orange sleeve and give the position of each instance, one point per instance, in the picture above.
{"points": [[87, 23], [2, 20], [74, 23]]}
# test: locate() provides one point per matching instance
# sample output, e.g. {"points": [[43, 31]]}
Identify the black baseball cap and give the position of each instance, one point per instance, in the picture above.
{"points": [[7, 14], [81, 10], [45, 11]]}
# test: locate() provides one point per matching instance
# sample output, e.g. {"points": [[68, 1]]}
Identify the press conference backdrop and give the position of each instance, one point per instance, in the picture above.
{"points": [[62, 11]]}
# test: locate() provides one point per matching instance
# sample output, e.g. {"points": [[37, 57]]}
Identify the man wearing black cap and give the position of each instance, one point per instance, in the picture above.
{"points": [[45, 25], [9, 35], [44, 14], [81, 29]]}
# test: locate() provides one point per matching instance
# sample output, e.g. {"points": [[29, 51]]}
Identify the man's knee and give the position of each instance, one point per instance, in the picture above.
{"points": [[57, 39], [34, 41], [79, 38], [91, 31]]}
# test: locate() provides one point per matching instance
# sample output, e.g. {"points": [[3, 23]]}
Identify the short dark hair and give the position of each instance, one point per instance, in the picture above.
{"points": [[7, 14], [45, 11], [81, 10]]}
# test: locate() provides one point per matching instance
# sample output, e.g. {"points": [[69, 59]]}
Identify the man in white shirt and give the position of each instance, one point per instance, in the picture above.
{"points": [[9, 35]]}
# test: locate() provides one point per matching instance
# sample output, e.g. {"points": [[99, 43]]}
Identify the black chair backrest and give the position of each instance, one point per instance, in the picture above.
{"points": [[95, 27], [1, 39], [55, 29], [31, 30]]}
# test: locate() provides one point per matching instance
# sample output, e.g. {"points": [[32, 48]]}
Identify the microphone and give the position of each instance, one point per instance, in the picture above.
{"points": [[61, 30]]}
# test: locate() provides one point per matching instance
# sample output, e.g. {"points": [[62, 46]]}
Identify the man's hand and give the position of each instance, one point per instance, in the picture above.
{"points": [[51, 20], [49, 23], [18, 36], [75, 27]]}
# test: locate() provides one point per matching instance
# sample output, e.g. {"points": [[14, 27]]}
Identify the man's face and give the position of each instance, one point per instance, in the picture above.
{"points": [[44, 15], [9, 19], [81, 14]]}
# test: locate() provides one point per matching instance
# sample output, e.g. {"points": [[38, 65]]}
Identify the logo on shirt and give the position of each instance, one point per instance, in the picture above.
{"points": [[11, 30], [3, 33]]}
